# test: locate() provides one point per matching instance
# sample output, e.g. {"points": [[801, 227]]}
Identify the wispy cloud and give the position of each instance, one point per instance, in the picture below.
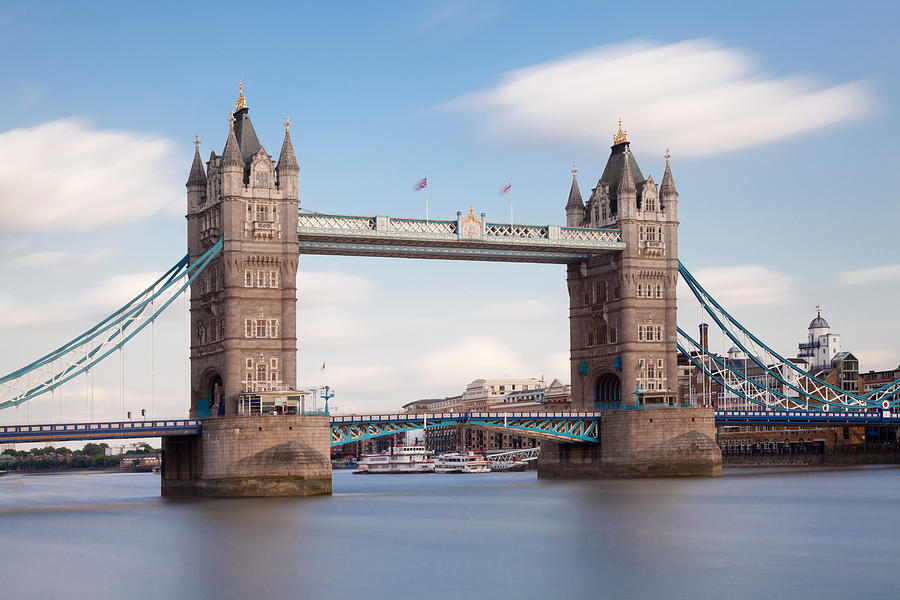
{"points": [[518, 309], [66, 175], [697, 97], [460, 17], [870, 275], [57, 258], [744, 285]]}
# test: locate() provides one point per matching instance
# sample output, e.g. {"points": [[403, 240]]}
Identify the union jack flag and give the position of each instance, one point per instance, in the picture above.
{"points": [[506, 189], [422, 184]]}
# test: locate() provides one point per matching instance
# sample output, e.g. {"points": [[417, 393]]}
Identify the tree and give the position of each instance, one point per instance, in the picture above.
{"points": [[92, 449]]}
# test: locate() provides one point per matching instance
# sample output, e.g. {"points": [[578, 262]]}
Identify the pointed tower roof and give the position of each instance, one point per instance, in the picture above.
{"points": [[575, 199], [287, 161], [626, 180], [231, 156], [198, 175], [668, 182]]}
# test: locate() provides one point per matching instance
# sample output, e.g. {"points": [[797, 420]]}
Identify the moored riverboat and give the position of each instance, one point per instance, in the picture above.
{"points": [[454, 462], [402, 459]]}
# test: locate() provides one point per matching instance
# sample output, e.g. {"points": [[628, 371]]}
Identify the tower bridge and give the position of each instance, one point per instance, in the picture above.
{"points": [[619, 247]]}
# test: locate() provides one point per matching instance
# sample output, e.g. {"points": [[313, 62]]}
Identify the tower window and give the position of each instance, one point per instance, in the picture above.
{"points": [[658, 291], [640, 290], [262, 328], [273, 279], [248, 278], [273, 328], [248, 328], [640, 333]]}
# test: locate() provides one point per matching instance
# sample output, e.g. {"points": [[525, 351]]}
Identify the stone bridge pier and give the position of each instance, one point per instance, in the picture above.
{"points": [[665, 442]]}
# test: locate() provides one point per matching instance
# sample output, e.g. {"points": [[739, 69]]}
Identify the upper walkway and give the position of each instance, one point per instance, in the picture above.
{"points": [[469, 237]]}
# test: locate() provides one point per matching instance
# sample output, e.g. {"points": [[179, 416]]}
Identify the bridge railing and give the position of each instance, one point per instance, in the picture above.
{"points": [[313, 224]]}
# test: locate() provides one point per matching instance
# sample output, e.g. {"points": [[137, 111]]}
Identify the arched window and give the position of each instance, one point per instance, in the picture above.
{"points": [[640, 290], [658, 291], [640, 333]]}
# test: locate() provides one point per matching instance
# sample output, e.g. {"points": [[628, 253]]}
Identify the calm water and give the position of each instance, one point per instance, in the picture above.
{"points": [[750, 534]]}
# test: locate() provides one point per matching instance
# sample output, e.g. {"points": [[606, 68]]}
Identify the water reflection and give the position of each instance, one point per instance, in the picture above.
{"points": [[817, 534]]}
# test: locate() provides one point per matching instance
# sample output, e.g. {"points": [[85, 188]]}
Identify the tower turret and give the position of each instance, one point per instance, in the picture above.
{"points": [[668, 195], [575, 205], [626, 192], [288, 170], [232, 163], [196, 183]]}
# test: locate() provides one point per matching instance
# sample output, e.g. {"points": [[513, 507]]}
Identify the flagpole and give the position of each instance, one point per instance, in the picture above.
{"points": [[426, 198], [510, 212]]}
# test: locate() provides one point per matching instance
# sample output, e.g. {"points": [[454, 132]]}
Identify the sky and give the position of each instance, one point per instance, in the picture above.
{"points": [[781, 121]]}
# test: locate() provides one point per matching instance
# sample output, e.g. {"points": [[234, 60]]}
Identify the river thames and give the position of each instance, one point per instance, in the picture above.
{"points": [[754, 533]]}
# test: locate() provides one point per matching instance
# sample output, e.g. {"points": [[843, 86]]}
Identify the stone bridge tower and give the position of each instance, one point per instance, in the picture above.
{"points": [[622, 307], [243, 306]]}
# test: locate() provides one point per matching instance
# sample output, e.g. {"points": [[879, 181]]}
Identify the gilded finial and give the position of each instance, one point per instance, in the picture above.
{"points": [[287, 123], [471, 211], [197, 142], [241, 101], [574, 170], [622, 136]]}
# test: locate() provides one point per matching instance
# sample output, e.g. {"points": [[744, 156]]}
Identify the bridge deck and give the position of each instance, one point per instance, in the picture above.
{"points": [[466, 238], [560, 426]]}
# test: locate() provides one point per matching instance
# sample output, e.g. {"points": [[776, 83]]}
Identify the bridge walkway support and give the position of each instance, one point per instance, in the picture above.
{"points": [[247, 456], [662, 442]]}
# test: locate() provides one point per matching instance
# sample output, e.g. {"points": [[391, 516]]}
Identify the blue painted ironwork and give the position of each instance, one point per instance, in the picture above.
{"points": [[86, 350], [826, 393], [466, 238], [61, 432], [560, 426]]}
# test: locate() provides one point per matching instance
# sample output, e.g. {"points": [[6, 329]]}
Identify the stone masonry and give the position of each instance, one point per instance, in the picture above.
{"points": [[641, 443], [622, 306]]}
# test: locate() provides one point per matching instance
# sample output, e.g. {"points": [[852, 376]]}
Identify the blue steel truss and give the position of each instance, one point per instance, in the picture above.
{"points": [[83, 352], [561, 426], [775, 366]]}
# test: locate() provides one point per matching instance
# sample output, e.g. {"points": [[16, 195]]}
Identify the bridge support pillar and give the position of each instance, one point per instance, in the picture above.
{"points": [[286, 455], [663, 442]]}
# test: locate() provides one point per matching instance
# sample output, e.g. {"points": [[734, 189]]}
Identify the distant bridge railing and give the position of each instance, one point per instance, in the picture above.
{"points": [[60, 432]]}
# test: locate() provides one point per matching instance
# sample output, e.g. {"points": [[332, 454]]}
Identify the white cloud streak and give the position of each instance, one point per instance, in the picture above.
{"points": [[869, 276], [66, 176], [57, 259], [746, 285], [697, 97]]}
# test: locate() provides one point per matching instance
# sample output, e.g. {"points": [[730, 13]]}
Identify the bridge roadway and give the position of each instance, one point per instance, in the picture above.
{"points": [[558, 426]]}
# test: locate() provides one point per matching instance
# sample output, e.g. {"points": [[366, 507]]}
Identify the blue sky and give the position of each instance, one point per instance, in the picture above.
{"points": [[781, 121]]}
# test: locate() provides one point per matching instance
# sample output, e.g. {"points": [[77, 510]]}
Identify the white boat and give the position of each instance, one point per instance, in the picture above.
{"points": [[403, 459], [454, 462]]}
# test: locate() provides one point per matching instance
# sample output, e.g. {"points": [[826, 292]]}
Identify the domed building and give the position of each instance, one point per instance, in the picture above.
{"points": [[821, 345]]}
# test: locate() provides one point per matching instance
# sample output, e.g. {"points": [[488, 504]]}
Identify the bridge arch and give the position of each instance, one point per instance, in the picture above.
{"points": [[607, 392], [207, 397]]}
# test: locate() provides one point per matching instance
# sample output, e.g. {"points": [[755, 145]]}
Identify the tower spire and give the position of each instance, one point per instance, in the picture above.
{"points": [[198, 175], [621, 136], [287, 161], [626, 181], [231, 156], [667, 189], [241, 101]]}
